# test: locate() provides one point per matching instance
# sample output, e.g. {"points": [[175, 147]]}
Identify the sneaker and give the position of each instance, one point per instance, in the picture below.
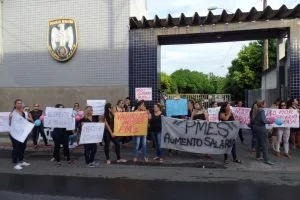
{"points": [[71, 146], [18, 167], [52, 160], [259, 159], [108, 162], [121, 161], [91, 165], [25, 164], [95, 163], [269, 163]]}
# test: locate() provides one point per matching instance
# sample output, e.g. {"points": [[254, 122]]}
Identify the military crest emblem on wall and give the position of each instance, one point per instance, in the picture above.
{"points": [[62, 39]]}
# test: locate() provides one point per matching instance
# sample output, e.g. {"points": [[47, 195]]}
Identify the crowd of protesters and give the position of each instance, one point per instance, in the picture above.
{"points": [[280, 137]]}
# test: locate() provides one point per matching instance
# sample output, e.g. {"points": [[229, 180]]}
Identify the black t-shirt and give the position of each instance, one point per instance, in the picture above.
{"points": [[155, 123], [231, 118], [199, 116], [110, 121], [87, 120], [36, 114]]}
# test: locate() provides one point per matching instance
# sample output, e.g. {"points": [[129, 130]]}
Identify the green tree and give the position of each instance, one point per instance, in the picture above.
{"points": [[191, 82], [166, 83], [245, 71], [218, 83]]}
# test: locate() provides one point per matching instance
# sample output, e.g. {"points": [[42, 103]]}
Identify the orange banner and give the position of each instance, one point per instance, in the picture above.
{"points": [[131, 123]]}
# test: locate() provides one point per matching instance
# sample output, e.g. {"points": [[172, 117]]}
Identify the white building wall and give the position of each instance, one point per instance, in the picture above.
{"points": [[102, 56]]}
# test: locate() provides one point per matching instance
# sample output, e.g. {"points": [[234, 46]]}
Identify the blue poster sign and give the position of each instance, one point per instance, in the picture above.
{"points": [[176, 107]]}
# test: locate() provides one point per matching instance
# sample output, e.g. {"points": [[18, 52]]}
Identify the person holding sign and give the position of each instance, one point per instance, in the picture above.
{"points": [[140, 107], [295, 132], [35, 115], [120, 107], [259, 127], [283, 133], [109, 135], [61, 136], [225, 114], [199, 112], [18, 147], [155, 125], [89, 149]]}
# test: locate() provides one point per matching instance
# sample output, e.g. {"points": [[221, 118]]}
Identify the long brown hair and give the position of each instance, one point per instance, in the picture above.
{"points": [[85, 111]]}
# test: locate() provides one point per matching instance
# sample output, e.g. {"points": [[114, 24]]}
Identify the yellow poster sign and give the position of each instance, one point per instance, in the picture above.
{"points": [[131, 123]]}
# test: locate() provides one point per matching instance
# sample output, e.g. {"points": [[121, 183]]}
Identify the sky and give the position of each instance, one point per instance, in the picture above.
{"points": [[197, 56]]}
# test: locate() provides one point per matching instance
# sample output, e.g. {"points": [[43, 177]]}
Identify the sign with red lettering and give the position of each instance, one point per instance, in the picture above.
{"points": [[143, 94], [242, 115], [282, 117], [131, 123]]}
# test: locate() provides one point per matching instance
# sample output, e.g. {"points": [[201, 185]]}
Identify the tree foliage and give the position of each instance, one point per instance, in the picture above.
{"points": [[245, 71], [243, 74], [191, 82]]}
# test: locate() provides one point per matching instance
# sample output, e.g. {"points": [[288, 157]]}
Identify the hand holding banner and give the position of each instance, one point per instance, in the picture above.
{"points": [[20, 127], [282, 117], [176, 107], [131, 123], [58, 117], [242, 115], [143, 94], [198, 136], [91, 133]]}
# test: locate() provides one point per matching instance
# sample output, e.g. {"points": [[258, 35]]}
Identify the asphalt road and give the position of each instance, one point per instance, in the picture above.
{"points": [[16, 186]]}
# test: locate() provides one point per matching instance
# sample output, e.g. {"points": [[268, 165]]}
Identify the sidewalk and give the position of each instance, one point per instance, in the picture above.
{"points": [[181, 159]]}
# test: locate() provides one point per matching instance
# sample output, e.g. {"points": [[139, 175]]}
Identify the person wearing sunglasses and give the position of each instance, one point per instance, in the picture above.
{"points": [[283, 134]]}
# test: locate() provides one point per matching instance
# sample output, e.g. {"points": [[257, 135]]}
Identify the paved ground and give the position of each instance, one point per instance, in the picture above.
{"points": [[183, 175], [45, 187]]}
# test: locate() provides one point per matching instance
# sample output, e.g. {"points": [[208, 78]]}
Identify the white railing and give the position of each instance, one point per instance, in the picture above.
{"points": [[204, 98]]}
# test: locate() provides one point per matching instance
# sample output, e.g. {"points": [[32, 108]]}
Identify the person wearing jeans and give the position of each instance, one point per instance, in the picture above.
{"points": [[143, 141], [140, 107], [155, 127]]}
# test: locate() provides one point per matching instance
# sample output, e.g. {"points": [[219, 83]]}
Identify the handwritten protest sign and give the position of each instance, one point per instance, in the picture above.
{"points": [[198, 136], [20, 127], [282, 117], [213, 114], [242, 115], [143, 94], [72, 126], [131, 123], [58, 117], [98, 106], [91, 133], [4, 122], [176, 107]]}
